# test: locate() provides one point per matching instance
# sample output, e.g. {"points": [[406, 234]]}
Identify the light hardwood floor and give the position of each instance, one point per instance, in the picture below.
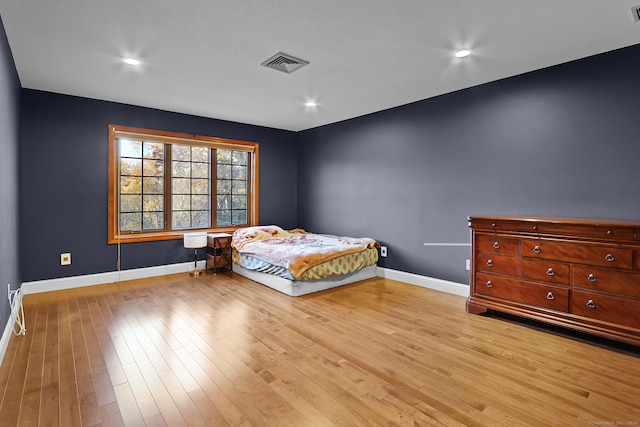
{"points": [[225, 351]]}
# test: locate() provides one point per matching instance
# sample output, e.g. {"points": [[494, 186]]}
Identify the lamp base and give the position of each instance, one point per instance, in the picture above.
{"points": [[195, 273]]}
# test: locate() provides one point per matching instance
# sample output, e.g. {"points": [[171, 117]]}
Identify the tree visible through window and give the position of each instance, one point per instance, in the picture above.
{"points": [[163, 184]]}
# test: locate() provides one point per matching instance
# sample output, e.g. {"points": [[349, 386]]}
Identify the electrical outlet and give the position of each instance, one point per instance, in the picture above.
{"points": [[383, 251], [468, 264], [65, 259]]}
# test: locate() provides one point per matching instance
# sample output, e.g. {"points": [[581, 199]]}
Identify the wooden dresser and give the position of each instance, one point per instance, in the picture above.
{"points": [[583, 274]]}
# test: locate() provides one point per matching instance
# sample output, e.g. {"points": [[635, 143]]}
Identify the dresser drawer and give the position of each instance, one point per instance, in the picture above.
{"points": [[539, 270], [599, 232], [602, 279], [497, 244], [582, 254], [494, 224], [536, 294], [608, 308]]}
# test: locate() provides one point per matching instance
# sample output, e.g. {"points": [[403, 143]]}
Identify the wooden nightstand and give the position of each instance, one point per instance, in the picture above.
{"points": [[219, 252]]}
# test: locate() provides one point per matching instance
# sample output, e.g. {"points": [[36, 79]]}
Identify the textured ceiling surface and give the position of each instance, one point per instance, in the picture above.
{"points": [[203, 57]]}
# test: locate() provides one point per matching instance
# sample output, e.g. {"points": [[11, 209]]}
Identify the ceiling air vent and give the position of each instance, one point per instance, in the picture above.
{"points": [[285, 63], [635, 11]]}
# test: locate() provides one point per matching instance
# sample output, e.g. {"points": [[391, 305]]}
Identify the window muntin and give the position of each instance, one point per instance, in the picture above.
{"points": [[163, 184]]}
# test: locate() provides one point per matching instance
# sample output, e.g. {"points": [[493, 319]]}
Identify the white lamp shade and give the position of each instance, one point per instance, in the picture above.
{"points": [[195, 240]]}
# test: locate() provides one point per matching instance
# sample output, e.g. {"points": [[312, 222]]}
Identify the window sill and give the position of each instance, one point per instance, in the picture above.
{"points": [[168, 235]]}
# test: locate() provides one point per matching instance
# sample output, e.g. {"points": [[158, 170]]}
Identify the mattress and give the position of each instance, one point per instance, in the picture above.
{"points": [[297, 263], [335, 267]]}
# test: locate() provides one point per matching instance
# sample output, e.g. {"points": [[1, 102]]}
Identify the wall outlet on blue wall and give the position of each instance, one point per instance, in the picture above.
{"points": [[383, 251], [65, 259]]}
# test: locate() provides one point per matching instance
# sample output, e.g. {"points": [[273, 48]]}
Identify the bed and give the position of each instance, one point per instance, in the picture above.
{"points": [[296, 262]]}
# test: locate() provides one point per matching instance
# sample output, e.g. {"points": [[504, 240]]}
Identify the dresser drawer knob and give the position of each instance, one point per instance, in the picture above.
{"points": [[490, 262], [591, 304], [493, 224], [534, 228], [591, 277], [536, 249], [610, 232], [550, 272], [550, 296], [489, 284], [496, 245], [609, 258]]}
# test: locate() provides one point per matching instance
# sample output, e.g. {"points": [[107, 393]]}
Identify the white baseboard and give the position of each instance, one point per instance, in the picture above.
{"points": [[161, 270], [109, 277], [425, 281], [8, 331]]}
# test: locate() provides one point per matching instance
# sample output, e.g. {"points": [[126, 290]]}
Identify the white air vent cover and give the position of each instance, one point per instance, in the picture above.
{"points": [[283, 62]]}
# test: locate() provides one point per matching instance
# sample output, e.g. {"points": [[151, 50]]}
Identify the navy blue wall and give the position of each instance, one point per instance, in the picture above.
{"points": [[9, 140], [561, 141], [64, 176]]}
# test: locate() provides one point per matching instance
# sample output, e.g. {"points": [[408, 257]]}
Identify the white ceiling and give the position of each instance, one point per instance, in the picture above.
{"points": [[203, 57]]}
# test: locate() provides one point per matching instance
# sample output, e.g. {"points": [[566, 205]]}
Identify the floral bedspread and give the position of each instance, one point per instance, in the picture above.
{"points": [[295, 250]]}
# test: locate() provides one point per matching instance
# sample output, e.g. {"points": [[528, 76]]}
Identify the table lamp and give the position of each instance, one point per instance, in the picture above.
{"points": [[195, 241]]}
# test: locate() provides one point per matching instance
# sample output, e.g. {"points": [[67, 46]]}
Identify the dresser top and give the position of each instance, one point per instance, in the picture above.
{"points": [[603, 222]]}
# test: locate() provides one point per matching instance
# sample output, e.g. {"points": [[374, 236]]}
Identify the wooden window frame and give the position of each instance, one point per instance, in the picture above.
{"points": [[116, 131]]}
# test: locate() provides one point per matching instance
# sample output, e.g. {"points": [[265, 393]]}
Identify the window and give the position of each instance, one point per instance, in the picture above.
{"points": [[162, 184]]}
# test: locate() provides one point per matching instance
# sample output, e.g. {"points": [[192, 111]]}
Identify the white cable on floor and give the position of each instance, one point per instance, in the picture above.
{"points": [[17, 313]]}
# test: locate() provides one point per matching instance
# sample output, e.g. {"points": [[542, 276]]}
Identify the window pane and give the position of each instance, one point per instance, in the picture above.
{"points": [[224, 186], [152, 221], [130, 222], [200, 170], [224, 171], [239, 187], [200, 186], [129, 148], [232, 174], [191, 186], [153, 203], [239, 172], [130, 203], [200, 219], [181, 202], [200, 154], [130, 167], [153, 185], [239, 217], [181, 152], [141, 185], [238, 202], [223, 156], [181, 219], [130, 185], [240, 157], [223, 203], [199, 202], [153, 150], [223, 217], [181, 185], [153, 168], [181, 169]]}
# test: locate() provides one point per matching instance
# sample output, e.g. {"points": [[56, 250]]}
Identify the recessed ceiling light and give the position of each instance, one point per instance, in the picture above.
{"points": [[310, 104], [131, 61], [462, 53]]}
